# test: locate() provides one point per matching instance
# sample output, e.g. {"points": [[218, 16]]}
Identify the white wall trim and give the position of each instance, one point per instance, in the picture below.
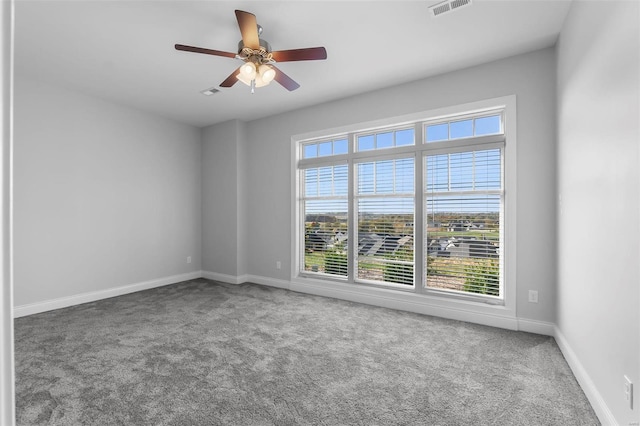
{"points": [[77, 299], [371, 296], [393, 300], [271, 282], [225, 278], [406, 302], [537, 327], [590, 390]]}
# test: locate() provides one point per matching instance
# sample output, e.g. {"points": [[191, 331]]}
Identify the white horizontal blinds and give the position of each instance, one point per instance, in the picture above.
{"points": [[384, 198], [463, 208], [325, 206]]}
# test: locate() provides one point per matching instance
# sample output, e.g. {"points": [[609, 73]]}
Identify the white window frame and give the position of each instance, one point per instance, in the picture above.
{"points": [[353, 255], [418, 298]]}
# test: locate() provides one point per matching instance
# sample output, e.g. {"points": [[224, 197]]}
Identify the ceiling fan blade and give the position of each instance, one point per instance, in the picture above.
{"points": [[231, 80], [310, 54], [249, 29], [205, 51], [286, 81]]}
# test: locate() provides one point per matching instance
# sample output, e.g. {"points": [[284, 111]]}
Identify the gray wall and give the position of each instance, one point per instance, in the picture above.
{"points": [[531, 77], [598, 181], [223, 205], [104, 196]]}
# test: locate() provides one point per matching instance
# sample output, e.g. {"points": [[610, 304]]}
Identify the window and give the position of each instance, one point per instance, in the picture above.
{"points": [[325, 225], [385, 205], [463, 192], [417, 207], [324, 148], [465, 128], [387, 139]]}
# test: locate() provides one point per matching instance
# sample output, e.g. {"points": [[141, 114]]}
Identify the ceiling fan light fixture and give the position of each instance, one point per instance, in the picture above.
{"points": [[259, 82], [267, 74], [251, 78], [243, 78], [255, 82], [248, 70]]}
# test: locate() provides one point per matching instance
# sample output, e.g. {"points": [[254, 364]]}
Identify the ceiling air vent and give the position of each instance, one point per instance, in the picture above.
{"points": [[448, 6], [209, 92]]}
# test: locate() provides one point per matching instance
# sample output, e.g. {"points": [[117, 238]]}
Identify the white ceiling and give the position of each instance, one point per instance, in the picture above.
{"points": [[123, 50]]}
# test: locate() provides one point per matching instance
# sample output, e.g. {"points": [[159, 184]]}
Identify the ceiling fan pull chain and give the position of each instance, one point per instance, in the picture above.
{"points": [[253, 86]]}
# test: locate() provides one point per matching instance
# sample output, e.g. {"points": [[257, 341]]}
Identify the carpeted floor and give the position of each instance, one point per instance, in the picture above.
{"points": [[206, 353]]}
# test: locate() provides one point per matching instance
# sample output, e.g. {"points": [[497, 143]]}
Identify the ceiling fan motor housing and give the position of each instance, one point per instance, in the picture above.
{"points": [[264, 45], [257, 56]]}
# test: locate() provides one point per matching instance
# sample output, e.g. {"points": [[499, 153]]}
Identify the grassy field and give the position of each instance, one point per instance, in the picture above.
{"points": [[442, 272]]}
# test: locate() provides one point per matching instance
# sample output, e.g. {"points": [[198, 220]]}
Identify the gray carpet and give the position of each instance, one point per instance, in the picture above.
{"points": [[206, 353]]}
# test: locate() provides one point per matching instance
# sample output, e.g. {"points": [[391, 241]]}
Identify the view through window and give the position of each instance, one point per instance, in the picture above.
{"points": [[423, 204]]}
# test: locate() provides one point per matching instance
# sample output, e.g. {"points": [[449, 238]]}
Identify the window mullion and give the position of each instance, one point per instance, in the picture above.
{"points": [[352, 242], [419, 224]]}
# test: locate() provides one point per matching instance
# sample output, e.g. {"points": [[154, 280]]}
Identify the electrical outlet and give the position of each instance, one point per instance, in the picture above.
{"points": [[533, 296], [188, 259], [628, 391], [278, 264]]}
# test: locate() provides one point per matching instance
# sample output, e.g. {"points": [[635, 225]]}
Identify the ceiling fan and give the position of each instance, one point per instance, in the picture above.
{"points": [[258, 68]]}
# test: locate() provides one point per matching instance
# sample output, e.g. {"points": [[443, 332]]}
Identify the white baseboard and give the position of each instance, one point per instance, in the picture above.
{"points": [[590, 390], [402, 302], [77, 299], [229, 279], [271, 282], [536, 327], [461, 311], [382, 298], [376, 297]]}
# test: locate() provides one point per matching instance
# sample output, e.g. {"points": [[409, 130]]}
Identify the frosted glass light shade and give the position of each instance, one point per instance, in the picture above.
{"points": [[246, 80], [267, 73], [248, 70]]}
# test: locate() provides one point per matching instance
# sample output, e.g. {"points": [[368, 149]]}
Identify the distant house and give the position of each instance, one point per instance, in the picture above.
{"points": [[369, 244], [318, 241], [457, 227], [462, 247], [483, 248], [377, 244]]}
